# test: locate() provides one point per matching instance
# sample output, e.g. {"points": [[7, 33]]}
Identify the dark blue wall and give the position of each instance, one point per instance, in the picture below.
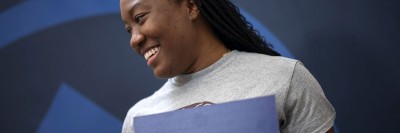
{"points": [[66, 66]]}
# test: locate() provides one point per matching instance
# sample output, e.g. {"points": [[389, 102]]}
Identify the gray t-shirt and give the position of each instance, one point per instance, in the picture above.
{"points": [[301, 103]]}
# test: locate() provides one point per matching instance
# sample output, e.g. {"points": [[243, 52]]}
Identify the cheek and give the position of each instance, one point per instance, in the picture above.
{"points": [[150, 29]]}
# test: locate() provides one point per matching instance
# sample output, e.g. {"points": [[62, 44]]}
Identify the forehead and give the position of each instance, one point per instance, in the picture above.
{"points": [[128, 7], [128, 4]]}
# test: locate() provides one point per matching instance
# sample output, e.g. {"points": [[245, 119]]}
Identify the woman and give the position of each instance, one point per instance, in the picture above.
{"points": [[210, 54]]}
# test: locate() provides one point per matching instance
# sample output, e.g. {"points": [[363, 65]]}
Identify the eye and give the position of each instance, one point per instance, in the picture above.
{"points": [[129, 30], [139, 17]]}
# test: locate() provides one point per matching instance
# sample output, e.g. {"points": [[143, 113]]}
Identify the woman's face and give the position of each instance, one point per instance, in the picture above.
{"points": [[163, 32]]}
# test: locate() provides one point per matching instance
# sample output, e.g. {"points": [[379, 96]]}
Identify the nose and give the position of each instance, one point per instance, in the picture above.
{"points": [[137, 41]]}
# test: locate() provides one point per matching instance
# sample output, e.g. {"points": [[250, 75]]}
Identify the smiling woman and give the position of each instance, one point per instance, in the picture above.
{"points": [[210, 53], [163, 33]]}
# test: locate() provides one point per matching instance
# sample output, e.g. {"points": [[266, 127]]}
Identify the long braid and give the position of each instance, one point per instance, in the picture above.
{"points": [[232, 28]]}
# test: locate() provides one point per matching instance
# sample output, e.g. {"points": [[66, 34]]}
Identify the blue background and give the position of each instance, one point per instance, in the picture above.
{"points": [[66, 66]]}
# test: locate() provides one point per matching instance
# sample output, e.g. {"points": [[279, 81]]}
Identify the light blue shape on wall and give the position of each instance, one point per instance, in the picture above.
{"points": [[277, 45], [72, 112]]}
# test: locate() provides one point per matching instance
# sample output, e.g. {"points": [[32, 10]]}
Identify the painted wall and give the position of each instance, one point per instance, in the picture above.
{"points": [[66, 66]]}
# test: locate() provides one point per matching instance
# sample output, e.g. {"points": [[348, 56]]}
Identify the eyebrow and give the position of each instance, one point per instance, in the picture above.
{"points": [[135, 6]]}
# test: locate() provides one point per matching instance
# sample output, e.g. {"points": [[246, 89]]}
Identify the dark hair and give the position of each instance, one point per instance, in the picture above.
{"points": [[232, 28]]}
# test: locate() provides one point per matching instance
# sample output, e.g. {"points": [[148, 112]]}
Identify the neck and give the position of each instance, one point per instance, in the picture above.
{"points": [[211, 49]]}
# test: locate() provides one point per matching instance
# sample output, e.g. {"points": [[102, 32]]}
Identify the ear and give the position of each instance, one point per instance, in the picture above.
{"points": [[194, 11]]}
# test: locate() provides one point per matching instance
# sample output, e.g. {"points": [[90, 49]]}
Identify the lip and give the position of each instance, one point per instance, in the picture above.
{"points": [[151, 59]]}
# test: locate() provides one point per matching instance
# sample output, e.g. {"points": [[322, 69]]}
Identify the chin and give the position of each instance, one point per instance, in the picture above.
{"points": [[162, 75]]}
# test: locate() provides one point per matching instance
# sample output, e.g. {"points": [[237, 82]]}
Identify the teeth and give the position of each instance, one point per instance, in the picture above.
{"points": [[151, 52]]}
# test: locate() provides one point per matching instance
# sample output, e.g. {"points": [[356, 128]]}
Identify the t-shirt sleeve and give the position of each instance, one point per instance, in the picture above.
{"points": [[306, 108], [127, 127]]}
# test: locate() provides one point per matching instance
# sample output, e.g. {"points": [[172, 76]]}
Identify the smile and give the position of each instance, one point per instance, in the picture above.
{"points": [[151, 52]]}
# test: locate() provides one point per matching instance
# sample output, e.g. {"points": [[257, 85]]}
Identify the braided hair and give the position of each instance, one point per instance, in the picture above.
{"points": [[232, 28]]}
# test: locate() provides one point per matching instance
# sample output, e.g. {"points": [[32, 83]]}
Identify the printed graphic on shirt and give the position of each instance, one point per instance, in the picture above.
{"points": [[195, 105]]}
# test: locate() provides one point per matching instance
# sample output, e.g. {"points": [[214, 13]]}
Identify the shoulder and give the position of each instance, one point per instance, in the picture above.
{"points": [[252, 56], [263, 65], [263, 61], [143, 107], [140, 105]]}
